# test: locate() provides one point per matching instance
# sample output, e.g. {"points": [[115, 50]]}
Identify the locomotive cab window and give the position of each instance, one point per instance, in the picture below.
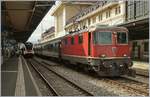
{"points": [[102, 38], [122, 38]]}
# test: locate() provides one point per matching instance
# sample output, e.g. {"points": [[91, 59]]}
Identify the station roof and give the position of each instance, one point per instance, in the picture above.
{"points": [[22, 17], [138, 27]]}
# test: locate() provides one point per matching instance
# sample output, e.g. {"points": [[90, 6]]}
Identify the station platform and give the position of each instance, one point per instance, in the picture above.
{"points": [[16, 79], [142, 68]]}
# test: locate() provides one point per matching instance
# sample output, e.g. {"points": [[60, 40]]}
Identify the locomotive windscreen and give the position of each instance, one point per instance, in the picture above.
{"points": [[102, 38]]}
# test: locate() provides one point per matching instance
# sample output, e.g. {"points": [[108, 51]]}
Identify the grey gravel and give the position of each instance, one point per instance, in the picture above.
{"points": [[96, 85], [81, 79]]}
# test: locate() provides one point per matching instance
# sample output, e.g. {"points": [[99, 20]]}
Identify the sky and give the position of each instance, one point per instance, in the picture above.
{"points": [[47, 22]]}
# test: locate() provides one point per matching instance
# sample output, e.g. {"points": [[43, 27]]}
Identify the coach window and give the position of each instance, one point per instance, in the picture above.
{"points": [[72, 40], [80, 39], [55, 45], [51, 45]]}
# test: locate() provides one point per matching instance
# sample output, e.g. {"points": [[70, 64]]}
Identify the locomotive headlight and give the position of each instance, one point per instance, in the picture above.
{"points": [[124, 55], [103, 55]]}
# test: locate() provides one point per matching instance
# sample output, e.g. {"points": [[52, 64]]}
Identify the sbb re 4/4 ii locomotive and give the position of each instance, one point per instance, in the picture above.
{"points": [[103, 49]]}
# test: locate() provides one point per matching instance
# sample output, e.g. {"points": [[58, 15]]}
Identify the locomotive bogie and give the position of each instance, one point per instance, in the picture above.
{"points": [[111, 67]]}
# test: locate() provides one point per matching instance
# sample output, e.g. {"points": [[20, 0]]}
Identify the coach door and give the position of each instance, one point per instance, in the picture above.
{"points": [[89, 43]]}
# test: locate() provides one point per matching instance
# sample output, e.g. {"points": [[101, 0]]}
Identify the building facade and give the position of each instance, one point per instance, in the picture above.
{"points": [[48, 35], [103, 12], [63, 11]]}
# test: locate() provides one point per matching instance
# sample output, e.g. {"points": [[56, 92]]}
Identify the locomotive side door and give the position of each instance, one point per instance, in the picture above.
{"points": [[59, 49], [89, 43]]}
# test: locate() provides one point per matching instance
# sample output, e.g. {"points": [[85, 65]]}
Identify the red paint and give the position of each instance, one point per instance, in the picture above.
{"points": [[76, 48], [96, 49]]}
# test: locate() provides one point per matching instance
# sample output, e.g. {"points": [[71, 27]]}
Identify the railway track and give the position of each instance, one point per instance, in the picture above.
{"points": [[131, 85], [53, 91], [138, 78], [58, 84], [135, 87]]}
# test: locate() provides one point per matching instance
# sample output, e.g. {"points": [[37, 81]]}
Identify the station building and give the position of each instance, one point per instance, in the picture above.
{"points": [[107, 13], [72, 16]]}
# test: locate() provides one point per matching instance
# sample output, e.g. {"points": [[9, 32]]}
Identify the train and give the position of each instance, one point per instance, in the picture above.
{"points": [[27, 50], [99, 48]]}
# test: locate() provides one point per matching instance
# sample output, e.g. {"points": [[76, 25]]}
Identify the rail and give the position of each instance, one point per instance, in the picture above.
{"points": [[67, 80], [55, 93]]}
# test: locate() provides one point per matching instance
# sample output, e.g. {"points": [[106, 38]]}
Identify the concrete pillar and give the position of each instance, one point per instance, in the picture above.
{"points": [[55, 19], [64, 20]]}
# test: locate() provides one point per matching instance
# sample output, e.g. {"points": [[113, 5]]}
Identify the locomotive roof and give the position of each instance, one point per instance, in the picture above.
{"points": [[105, 27], [98, 28]]}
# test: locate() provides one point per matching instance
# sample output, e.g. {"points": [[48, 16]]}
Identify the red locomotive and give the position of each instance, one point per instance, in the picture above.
{"points": [[103, 49]]}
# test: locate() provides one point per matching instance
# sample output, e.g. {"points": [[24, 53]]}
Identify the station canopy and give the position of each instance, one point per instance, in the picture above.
{"points": [[22, 17]]}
